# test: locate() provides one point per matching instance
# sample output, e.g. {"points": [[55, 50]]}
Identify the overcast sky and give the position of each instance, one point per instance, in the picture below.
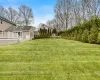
{"points": [[43, 9]]}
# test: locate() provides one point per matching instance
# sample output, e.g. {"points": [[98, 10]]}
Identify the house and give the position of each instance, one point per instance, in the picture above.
{"points": [[10, 33], [5, 24], [22, 32]]}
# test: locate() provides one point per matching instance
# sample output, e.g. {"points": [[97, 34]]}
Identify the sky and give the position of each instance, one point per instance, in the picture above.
{"points": [[43, 10]]}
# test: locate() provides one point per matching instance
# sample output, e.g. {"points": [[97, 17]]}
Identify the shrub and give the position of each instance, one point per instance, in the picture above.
{"points": [[86, 32], [85, 36], [75, 35], [98, 41], [79, 36], [93, 35], [54, 31]]}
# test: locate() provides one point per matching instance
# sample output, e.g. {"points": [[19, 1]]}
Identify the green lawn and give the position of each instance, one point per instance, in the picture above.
{"points": [[50, 59]]}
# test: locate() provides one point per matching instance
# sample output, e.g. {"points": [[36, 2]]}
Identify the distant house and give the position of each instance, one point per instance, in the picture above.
{"points": [[36, 32], [9, 31]]}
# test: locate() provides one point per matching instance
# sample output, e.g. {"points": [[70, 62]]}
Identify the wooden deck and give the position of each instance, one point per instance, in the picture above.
{"points": [[8, 41]]}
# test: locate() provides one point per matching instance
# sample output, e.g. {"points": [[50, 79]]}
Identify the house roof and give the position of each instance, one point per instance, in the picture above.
{"points": [[6, 20], [19, 28]]}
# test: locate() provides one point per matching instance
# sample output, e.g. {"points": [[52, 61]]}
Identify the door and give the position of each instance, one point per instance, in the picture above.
{"points": [[20, 35]]}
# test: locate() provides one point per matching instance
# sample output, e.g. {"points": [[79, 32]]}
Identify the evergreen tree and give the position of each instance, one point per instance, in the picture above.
{"points": [[49, 32], [85, 35], [54, 31], [40, 30], [79, 37], [75, 35], [98, 41], [93, 35]]}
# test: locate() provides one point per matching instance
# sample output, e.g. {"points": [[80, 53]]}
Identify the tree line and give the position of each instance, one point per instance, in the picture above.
{"points": [[77, 20], [73, 14], [22, 16], [88, 32], [45, 33], [69, 13]]}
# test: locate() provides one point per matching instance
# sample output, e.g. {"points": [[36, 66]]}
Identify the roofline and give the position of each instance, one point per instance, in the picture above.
{"points": [[19, 30], [6, 20]]}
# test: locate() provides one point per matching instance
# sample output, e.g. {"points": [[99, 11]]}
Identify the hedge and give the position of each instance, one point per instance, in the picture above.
{"points": [[86, 32]]}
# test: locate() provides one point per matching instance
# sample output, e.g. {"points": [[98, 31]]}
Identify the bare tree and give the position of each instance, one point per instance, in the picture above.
{"points": [[12, 15], [76, 12], [94, 7], [54, 24], [26, 14], [58, 13], [2, 11], [51, 24], [62, 11], [42, 26], [90, 8]]}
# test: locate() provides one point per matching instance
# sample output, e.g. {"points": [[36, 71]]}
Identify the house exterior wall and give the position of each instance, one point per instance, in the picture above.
{"points": [[31, 33], [4, 25], [26, 35], [12, 36], [8, 35]]}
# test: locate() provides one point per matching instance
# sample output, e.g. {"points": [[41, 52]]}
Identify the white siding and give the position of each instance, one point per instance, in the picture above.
{"points": [[8, 35], [4, 25], [31, 33], [26, 35]]}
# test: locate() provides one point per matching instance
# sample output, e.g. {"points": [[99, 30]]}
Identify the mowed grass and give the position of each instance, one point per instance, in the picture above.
{"points": [[50, 59]]}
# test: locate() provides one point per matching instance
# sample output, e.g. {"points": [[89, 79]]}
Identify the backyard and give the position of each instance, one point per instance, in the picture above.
{"points": [[50, 59]]}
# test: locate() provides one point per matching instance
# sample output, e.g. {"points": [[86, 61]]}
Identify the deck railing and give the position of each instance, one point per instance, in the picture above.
{"points": [[8, 35]]}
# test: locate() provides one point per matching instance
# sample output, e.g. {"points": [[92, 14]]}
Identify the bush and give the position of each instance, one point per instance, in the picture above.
{"points": [[86, 32], [93, 35], [54, 31], [43, 33], [85, 36], [98, 41], [75, 35], [79, 36]]}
